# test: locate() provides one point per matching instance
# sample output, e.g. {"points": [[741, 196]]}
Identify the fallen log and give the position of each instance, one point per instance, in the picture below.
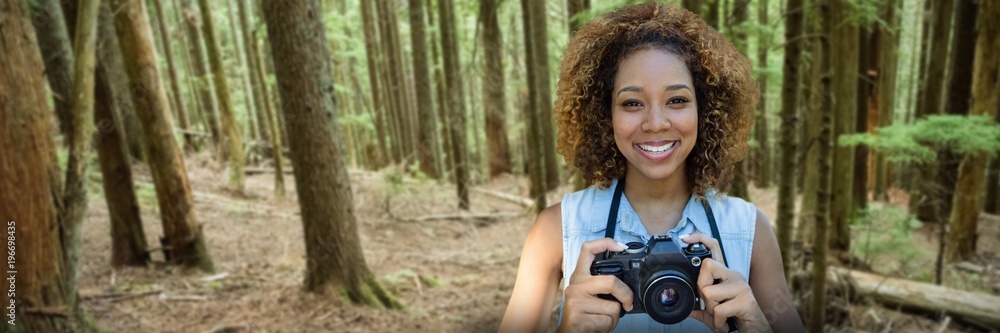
{"points": [[523, 202], [972, 308], [461, 216]]}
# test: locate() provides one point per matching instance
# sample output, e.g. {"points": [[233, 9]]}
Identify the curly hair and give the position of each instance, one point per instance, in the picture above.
{"points": [[725, 92]]}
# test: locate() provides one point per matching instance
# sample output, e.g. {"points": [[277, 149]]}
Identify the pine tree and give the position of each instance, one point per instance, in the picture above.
{"points": [[789, 104], [845, 89], [455, 94], [886, 89], [494, 97], [427, 135], [232, 143]]}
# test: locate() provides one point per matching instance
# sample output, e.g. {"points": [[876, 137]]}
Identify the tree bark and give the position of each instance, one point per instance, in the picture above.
{"points": [[128, 241], [965, 208], [196, 52], [543, 90], [741, 177], [336, 264], [253, 126], [57, 50], [263, 122], [844, 36], [535, 159], [446, 161], [923, 201], [817, 97], [495, 99], [455, 94], [868, 52], [393, 82], [427, 135], [789, 104], [175, 81], [232, 146], [761, 155], [183, 236], [886, 90], [31, 183], [371, 54], [820, 240], [575, 7]]}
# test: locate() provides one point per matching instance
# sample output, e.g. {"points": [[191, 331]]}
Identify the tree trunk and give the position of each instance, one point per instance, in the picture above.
{"points": [[57, 51], [761, 156], [574, 8], [845, 89], [274, 135], [455, 93], [239, 51], [543, 100], [128, 241], [183, 236], [175, 81], [446, 161], [868, 51], [393, 82], [886, 89], [495, 99], [963, 49], [427, 136], [811, 179], [789, 104], [371, 54], [923, 201], [817, 304], [965, 208], [201, 72], [232, 147], [535, 161], [336, 264], [263, 122], [31, 184], [992, 204]]}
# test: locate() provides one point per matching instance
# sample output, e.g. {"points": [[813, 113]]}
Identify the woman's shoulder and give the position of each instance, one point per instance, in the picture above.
{"points": [[732, 208], [579, 207]]}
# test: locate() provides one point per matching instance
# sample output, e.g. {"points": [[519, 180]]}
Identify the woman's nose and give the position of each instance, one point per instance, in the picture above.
{"points": [[656, 120]]}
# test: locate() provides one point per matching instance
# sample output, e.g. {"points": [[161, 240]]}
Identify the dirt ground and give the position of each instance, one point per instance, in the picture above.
{"points": [[453, 275]]}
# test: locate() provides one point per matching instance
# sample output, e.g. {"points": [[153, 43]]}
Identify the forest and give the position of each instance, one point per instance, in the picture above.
{"points": [[375, 165]]}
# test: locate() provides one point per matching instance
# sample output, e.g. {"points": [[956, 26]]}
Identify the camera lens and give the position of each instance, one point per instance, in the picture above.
{"points": [[668, 298]]}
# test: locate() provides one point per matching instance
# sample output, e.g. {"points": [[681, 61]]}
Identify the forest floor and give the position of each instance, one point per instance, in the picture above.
{"points": [[453, 275]]}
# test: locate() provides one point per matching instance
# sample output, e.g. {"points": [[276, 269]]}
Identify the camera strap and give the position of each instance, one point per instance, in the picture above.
{"points": [[617, 199]]}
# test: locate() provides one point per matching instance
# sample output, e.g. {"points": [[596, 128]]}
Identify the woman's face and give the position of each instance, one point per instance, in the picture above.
{"points": [[654, 113]]}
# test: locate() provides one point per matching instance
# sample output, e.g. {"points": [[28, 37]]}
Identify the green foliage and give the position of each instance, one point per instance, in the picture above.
{"points": [[921, 141], [885, 239]]}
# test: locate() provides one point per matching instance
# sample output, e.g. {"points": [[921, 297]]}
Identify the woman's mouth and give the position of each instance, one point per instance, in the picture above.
{"points": [[656, 150]]}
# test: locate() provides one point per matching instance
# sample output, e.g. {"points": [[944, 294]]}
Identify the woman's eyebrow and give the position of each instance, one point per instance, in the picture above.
{"points": [[678, 86], [630, 89]]}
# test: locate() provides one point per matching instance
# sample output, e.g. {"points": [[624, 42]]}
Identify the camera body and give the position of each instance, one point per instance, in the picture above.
{"points": [[662, 276]]}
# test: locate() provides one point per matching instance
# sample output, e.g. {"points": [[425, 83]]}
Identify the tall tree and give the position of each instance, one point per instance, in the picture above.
{"points": [[540, 48], [128, 241], [868, 54], [336, 265], [712, 16], [232, 146], [494, 98], [965, 209], [761, 157], [739, 38], [371, 55], [175, 81], [963, 44], [447, 161], [992, 204], [922, 201], [196, 52], [253, 126], [789, 106], [845, 89], [394, 82], [889, 36], [427, 135], [183, 236], [257, 70], [816, 107], [455, 94], [250, 54], [32, 192], [57, 50], [695, 6], [574, 8], [534, 161], [817, 303]]}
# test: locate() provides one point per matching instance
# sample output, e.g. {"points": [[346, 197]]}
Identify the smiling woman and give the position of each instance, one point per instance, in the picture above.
{"points": [[652, 95]]}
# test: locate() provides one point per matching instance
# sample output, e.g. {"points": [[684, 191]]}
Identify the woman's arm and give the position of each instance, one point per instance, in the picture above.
{"points": [[538, 275], [767, 280]]}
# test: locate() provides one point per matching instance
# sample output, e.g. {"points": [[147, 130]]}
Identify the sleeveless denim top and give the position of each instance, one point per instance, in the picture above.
{"points": [[585, 217]]}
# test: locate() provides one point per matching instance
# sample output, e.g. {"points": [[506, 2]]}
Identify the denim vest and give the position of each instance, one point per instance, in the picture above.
{"points": [[585, 217]]}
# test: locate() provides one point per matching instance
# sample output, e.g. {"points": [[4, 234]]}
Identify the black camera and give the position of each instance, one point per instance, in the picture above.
{"points": [[662, 276]]}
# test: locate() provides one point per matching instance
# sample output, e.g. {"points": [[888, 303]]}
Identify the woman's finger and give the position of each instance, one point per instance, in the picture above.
{"points": [[589, 251], [711, 243]]}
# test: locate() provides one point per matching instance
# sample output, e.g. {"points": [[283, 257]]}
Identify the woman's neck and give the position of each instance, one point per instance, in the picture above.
{"points": [[659, 202]]}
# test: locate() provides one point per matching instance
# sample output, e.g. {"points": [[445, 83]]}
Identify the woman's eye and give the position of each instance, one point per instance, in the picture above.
{"points": [[631, 103], [677, 100]]}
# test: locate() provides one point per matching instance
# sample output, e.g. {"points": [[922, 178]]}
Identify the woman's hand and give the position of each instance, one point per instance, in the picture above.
{"points": [[583, 311], [730, 297]]}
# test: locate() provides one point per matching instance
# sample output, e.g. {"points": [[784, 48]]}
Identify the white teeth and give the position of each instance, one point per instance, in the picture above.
{"points": [[657, 149]]}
